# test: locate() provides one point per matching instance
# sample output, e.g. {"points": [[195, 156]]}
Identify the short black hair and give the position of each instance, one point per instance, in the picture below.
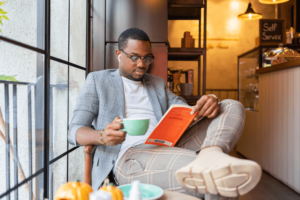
{"points": [[131, 33]]}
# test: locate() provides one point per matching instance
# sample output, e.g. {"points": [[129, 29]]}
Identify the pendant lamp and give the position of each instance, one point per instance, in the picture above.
{"points": [[272, 1], [250, 14]]}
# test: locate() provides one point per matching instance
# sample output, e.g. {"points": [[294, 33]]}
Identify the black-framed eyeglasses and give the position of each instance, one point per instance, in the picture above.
{"points": [[136, 59]]}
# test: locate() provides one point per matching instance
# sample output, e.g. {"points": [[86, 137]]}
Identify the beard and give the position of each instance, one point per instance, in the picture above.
{"points": [[135, 79], [130, 76]]}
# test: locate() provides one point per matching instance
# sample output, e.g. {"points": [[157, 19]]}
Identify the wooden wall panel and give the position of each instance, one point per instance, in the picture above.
{"points": [[284, 144], [272, 147], [296, 124], [267, 126], [263, 143], [290, 127], [280, 125], [98, 36], [252, 136], [242, 141], [271, 136], [275, 129]]}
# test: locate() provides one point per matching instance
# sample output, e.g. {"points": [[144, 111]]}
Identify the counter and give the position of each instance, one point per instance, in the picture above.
{"points": [[282, 66], [271, 135]]}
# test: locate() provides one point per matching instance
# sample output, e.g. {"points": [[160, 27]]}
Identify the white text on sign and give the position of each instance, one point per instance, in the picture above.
{"points": [[271, 28]]}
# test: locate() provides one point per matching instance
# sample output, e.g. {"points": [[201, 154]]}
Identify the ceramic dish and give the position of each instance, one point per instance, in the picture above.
{"points": [[149, 192]]}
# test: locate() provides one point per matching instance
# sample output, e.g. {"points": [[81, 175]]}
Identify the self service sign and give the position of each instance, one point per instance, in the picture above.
{"points": [[272, 31]]}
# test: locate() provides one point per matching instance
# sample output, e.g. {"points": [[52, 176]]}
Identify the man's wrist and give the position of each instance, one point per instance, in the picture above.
{"points": [[101, 137]]}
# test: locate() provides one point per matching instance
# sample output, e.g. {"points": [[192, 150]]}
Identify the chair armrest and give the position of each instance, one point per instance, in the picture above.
{"points": [[88, 151]]}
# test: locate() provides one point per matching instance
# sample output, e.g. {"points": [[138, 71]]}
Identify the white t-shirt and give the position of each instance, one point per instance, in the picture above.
{"points": [[137, 105]]}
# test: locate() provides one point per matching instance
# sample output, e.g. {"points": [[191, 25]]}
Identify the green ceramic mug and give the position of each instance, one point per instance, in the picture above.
{"points": [[135, 127]]}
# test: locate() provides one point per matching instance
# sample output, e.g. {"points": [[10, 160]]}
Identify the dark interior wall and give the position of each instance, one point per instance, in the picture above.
{"points": [[98, 35], [150, 16], [112, 17], [288, 12], [297, 20]]}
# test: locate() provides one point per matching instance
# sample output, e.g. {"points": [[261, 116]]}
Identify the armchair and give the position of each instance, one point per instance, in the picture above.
{"points": [[88, 151]]}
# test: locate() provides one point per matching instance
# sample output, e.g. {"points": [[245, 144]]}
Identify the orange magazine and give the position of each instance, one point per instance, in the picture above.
{"points": [[172, 125]]}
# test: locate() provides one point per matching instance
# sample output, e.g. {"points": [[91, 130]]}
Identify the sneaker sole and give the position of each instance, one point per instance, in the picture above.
{"points": [[229, 181]]}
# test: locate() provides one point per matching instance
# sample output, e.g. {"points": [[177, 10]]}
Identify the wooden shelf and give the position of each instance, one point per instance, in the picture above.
{"points": [[186, 2], [184, 53], [175, 13], [185, 9], [186, 5], [254, 76]]}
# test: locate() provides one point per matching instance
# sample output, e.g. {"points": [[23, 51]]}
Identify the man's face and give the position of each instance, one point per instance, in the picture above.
{"points": [[131, 71]]}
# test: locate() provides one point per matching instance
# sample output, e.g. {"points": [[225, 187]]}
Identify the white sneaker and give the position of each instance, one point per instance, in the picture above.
{"points": [[215, 172]]}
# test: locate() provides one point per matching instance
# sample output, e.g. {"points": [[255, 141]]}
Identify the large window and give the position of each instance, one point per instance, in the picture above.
{"points": [[44, 58]]}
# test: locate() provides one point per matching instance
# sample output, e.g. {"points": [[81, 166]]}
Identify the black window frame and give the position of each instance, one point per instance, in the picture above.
{"points": [[46, 69]]}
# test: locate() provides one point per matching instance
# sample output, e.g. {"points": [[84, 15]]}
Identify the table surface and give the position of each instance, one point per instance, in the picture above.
{"points": [[168, 195]]}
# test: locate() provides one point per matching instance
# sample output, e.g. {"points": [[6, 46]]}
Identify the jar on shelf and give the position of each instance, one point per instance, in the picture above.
{"points": [[288, 37]]}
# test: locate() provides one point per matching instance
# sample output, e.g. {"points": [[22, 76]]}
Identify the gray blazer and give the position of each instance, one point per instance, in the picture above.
{"points": [[100, 100]]}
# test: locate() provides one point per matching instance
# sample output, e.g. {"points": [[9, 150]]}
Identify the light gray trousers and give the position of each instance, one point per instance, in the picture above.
{"points": [[157, 164]]}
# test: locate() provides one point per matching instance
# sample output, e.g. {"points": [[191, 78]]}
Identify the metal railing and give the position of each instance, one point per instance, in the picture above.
{"points": [[11, 149]]}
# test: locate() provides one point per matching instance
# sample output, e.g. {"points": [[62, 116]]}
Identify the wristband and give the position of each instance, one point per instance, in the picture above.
{"points": [[101, 137]]}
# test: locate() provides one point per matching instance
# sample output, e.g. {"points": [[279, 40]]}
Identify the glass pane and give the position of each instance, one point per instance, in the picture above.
{"points": [[76, 164], [22, 109], [78, 32], [248, 80], [35, 187], [58, 108], [77, 78], [59, 29], [20, 64], [57, 176], [26, 22]]}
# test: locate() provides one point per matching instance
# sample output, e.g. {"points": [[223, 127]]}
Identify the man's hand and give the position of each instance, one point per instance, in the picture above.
{"points": [[112, 135], [207, 106]]}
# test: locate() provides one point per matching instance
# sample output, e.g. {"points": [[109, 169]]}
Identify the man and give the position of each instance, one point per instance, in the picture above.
{"points": [[108, 96]]}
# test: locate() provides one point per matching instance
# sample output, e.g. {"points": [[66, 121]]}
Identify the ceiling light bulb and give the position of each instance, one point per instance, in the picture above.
{"points": [[272, 1], [250, 14]]}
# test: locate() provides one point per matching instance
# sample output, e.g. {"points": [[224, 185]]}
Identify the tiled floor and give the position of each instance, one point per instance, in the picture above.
{"points": [[269, 188]]}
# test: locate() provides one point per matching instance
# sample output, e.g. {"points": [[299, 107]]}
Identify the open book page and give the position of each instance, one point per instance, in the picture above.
{"points": [[172, 125]]}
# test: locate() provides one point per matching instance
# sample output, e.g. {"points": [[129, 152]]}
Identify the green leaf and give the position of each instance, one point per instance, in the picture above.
{"points": [[0, 31], [4, 16], [3, 12], [10, 78], [2, 3], [1, 22]]}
